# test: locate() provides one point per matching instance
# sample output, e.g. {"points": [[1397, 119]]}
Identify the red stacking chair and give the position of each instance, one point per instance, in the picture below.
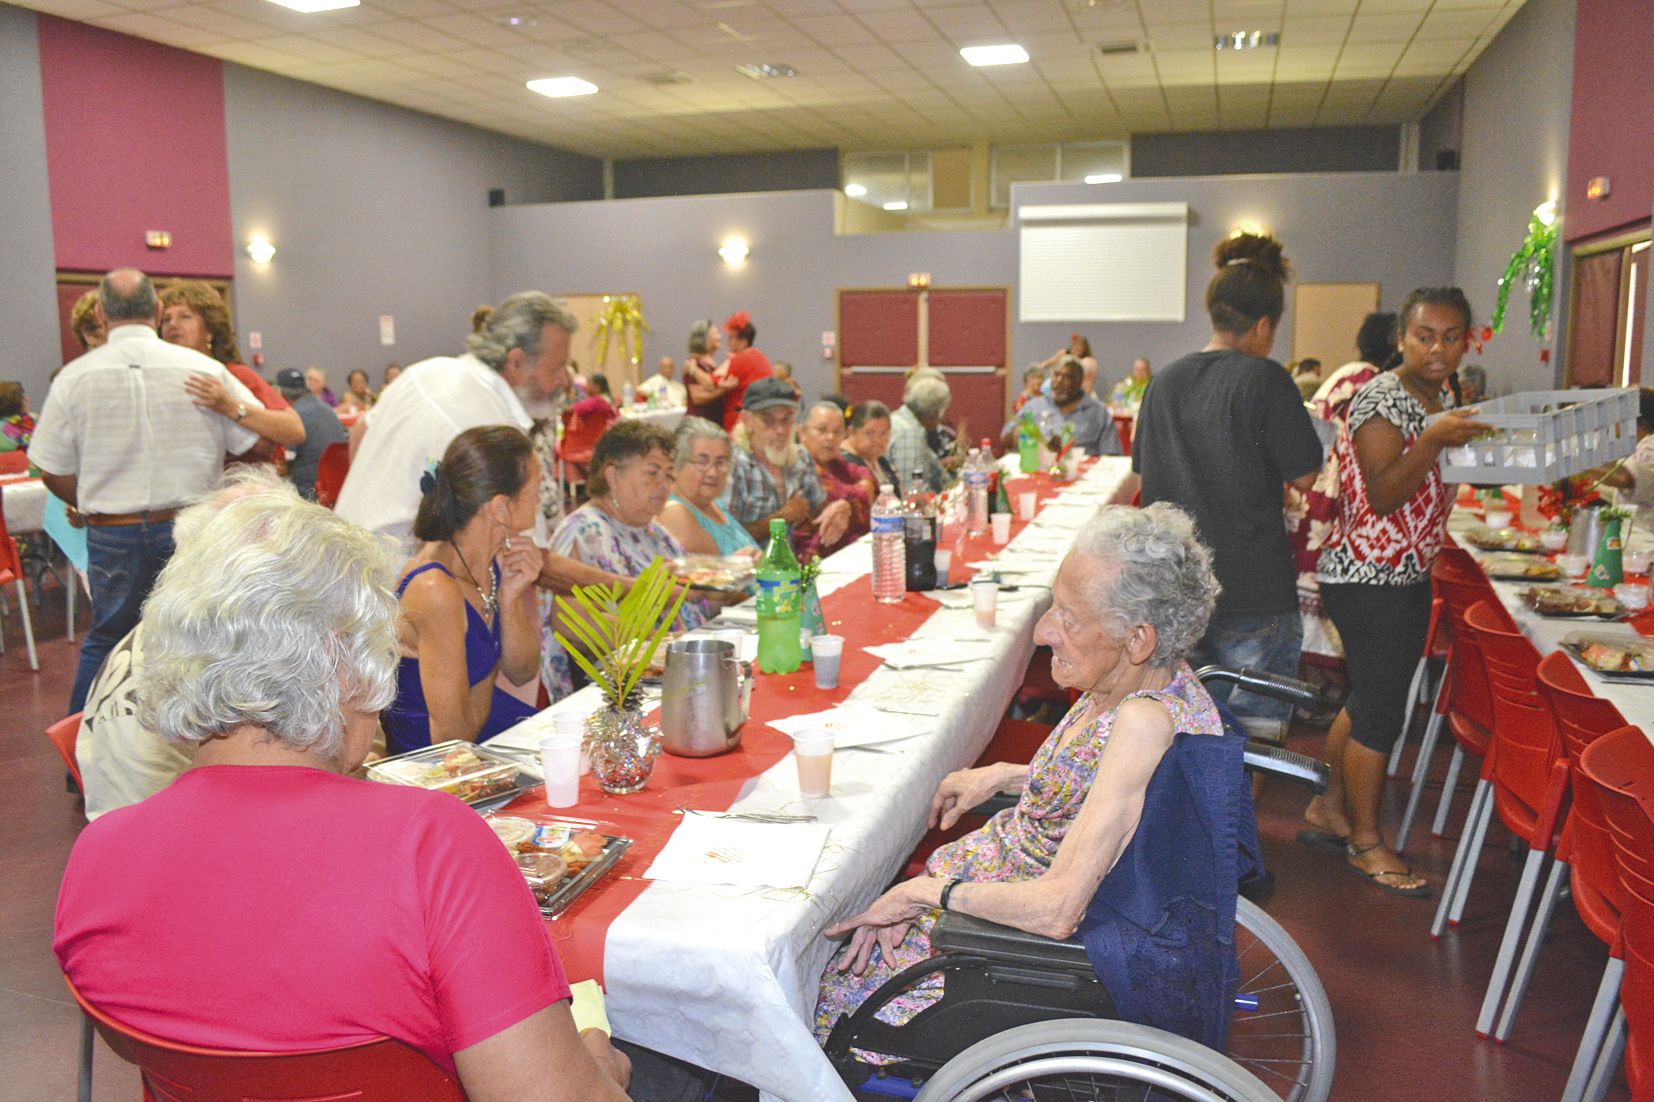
{"points": [[1420, 691], [1620, 765], [63, 734], [580, 436], [1463, 700], [1524, 781], [382, 1070], [331, 467], [1124, 426], [14, 462], [11, 570]]}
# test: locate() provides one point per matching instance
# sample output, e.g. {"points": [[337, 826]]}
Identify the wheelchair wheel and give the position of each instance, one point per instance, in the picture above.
{"points": [[1097, 1060], [1288, 1041]]}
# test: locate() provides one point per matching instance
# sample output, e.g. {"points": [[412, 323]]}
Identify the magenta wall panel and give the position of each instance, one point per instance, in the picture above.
{"points": [[878, 327], [967, 328], [134, 142], [1608, 123]]}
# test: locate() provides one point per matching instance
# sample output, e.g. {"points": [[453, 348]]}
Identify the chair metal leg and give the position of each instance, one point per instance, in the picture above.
{"points": [[1514, 925], [1603, 1010], [1427, 749], [1530, 952], [1608, 1061], [1449, 786], [83, 1088], [1415, 695], [28, 626], [1463, 856], [1474, 857], [74, 584]]}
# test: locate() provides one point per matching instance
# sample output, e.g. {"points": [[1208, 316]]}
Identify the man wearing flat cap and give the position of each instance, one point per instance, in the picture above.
{"points": [[774, 477], [321, 428], [746, 365]]}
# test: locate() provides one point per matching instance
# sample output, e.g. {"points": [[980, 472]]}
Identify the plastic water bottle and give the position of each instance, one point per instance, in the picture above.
{"points": [[976, 492], [628, 395], [889, 554], [779, 604]]}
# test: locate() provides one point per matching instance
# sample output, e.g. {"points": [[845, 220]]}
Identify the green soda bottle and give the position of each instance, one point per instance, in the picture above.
{"points": [[779, 604], [1028, 445]]}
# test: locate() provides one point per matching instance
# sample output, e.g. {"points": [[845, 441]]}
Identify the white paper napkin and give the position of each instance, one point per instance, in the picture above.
{"points": [[855, 725], [915, 653], [708, 850]]}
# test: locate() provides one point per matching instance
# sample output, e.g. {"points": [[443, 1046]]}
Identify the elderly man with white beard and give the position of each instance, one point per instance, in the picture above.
{"points": [[774, 477]]}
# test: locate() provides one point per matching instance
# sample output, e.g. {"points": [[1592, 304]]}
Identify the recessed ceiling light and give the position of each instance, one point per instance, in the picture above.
{"points": [[308, 6], [1104, 178], [897, 205], [765, 70], [1007, 54], [1245, 40], [558, 87], [854, 191]]}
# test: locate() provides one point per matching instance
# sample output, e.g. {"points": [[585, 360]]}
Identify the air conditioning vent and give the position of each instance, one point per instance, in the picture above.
{"points": [[662, 80], [1118, 49]]}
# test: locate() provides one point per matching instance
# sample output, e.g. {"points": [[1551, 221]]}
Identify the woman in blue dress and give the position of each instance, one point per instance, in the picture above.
{"points": [[468, 604]]}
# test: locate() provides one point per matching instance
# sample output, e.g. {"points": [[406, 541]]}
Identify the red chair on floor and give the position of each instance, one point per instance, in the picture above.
{"points": [[1436, 646], [1124, 426], [580, 436], [331, 467], [1620, 765], [1464, 702], [14, 462], [11, 570], [382, 1070], [1524, 781], [63, 734]]}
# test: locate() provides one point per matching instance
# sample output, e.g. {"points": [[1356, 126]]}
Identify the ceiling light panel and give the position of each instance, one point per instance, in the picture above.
{"points": [[562, 87], [1005, 54], [310, 7]]}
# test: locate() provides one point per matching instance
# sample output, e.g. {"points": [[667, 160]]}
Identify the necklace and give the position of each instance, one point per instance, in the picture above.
{"points": [[491, 599]]}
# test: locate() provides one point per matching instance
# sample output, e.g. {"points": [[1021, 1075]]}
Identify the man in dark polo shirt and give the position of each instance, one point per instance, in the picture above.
{"points": [[321, 428]]}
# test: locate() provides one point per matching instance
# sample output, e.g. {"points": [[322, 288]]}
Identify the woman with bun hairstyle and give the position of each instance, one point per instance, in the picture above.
{"points": [[468, 606], [1220, 434]]}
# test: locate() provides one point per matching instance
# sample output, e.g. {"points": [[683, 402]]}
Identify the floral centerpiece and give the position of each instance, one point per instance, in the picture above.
{"points": [[1560, 501]]}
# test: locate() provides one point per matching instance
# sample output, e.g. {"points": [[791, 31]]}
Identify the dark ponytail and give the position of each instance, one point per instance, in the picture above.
{"points": [[479, 464], [1250, 282]]}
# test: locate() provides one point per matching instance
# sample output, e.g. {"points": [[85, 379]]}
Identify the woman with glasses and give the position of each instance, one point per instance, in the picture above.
{"points": [[701, 463]]}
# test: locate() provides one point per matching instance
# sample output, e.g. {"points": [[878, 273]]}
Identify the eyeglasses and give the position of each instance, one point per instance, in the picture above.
{"points": [[707, 463]]}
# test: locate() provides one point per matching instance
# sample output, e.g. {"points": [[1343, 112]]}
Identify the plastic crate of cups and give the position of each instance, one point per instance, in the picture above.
{"points": [[1542, 436]]}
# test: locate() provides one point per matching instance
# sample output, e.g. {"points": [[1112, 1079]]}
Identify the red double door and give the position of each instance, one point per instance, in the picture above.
{"points": [[963, 332]]}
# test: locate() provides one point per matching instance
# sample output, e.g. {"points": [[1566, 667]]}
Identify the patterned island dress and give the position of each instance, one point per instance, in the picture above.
{"points": [[1017, 844]]}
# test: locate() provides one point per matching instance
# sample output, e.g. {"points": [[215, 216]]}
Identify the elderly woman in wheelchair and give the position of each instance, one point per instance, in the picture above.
{"points": [[1129, 602]]}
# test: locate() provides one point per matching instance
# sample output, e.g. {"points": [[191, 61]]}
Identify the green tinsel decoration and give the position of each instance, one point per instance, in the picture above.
{"points": [[1535, 263]]}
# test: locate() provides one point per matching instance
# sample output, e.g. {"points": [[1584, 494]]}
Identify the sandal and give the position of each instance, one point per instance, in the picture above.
{"points": [[1417, 891], [1323, 839]]}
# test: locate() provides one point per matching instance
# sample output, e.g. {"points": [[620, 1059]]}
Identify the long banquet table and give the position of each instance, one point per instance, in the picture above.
{"points": [[726, 978], [24, 500]]}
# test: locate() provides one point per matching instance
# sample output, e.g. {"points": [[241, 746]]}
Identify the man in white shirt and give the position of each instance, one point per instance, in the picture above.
{"points": [[121, 440], [672, 392]]}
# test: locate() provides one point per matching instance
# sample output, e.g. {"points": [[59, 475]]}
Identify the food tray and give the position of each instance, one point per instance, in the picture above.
{"points": [[1573, 603], [1520, 568], [1509, 540], [474, 773], [1611, 655], [555, 893], [716, 573], [1542, 436]]}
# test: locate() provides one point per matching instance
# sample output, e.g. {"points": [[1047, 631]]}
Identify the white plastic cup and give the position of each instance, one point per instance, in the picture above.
{"points": [[944, 563], [1070, 466], [814, 751], [1635, 562], [1497, 518], [560, 762], [1555, 539], [985, 600], [825, 651], [1002, 527], [1573, 565], [1633, 597], [573, 723], [1026, 501]]}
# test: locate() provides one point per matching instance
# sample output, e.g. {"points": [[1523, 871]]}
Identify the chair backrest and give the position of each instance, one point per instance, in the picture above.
{"points": [[381, 1070], [1621, 764], [331, 467], [581, 433], [63, 734], [11, 563], [14, 462], [1524, 732], [1471, 695]]}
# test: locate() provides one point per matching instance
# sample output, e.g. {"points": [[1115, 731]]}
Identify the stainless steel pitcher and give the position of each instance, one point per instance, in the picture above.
{"points": [[703, 698], [1585, 533]]}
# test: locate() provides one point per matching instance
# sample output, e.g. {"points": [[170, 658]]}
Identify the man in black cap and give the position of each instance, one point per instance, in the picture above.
{"points": [[321, 428], [774, 477]]}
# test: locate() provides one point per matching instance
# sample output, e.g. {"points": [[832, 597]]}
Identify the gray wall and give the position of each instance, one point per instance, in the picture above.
{"points": [[1402, 238], [786, 170], [1442, 130], [1395, 230], [1240, 152], [28, 266], [1514, 157], [373, 210]]}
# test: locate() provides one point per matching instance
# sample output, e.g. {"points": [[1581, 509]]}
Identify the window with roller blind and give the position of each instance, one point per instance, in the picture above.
{"points": [[1605, 321], [1104, 262]]}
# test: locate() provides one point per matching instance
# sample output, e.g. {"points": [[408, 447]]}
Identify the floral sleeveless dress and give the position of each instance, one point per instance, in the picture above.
{"points": [[1016, 844]]}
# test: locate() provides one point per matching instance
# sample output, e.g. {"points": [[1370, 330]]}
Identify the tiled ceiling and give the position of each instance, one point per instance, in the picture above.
{"points": [[872, 74]]}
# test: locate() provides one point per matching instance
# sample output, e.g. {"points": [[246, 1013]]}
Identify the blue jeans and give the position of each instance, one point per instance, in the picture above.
{"points": [[121, 563], [1262, 641]]}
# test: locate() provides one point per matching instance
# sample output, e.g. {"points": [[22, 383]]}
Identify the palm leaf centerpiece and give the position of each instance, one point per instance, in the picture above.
{"points": [[611, 632]]}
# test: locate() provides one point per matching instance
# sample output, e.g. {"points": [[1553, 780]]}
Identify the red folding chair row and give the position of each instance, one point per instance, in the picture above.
{"points": [[331, 467], [1437, 644], [11, 572]]}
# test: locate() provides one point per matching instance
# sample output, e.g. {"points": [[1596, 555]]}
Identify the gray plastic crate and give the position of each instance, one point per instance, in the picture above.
{"points": [[1546, 435]]}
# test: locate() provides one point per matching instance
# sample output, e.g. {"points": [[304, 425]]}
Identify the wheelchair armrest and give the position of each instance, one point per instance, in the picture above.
{"points": [[1278, 761], [961, 933], [994, 804]]}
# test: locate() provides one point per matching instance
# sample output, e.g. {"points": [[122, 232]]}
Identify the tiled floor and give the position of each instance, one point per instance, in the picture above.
{"points": [[1404, 1005]]}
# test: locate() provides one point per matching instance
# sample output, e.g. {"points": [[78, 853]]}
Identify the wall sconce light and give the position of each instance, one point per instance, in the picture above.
{"points": [[1252, 228], [259, 250], [734, 251]]}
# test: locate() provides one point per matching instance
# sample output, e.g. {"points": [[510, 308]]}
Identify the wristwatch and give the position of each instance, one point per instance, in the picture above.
{"points": [[240, 410]]}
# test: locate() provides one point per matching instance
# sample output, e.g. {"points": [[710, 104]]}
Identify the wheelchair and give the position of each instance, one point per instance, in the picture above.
{"points": [[1024, 1018]]}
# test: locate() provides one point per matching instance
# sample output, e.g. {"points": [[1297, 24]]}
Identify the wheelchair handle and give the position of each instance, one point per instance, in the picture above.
{"points": [[1264, 684]]}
